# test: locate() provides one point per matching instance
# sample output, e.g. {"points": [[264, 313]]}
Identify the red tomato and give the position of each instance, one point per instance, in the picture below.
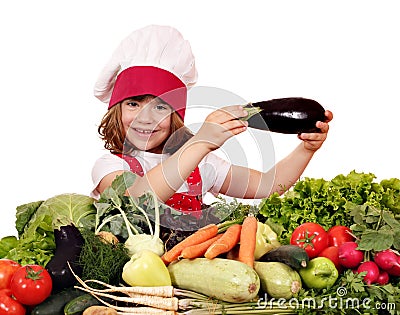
{"points": [[332, 252], [339, 234], [9, 306], [31, 284], [7, 269], [310, 236]]}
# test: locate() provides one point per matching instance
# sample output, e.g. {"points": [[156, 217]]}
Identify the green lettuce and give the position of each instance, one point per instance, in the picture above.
{"points": [[7, 243], [391, 194]]}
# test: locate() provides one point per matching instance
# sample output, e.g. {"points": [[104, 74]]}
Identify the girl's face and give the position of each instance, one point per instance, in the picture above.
{"points": [[146, 122]]}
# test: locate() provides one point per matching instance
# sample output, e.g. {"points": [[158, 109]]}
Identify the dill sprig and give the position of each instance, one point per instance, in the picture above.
{"points": [[101, 260]]}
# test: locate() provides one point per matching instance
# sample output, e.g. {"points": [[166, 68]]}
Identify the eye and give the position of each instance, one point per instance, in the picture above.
{"points": [[161, 107], [132, 103]]}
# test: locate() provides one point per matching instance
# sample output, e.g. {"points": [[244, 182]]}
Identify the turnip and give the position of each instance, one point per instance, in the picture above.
{"points": [[136, 241], [372, 271], [383, 278], [386, 259], [349, 256]]}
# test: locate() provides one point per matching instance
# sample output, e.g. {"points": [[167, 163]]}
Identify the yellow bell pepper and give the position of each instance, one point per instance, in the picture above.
{"points": [[146, 269], [266, 240]]}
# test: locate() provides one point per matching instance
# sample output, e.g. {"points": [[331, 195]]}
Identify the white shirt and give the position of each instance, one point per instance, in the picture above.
{"points": [[213, 169]]}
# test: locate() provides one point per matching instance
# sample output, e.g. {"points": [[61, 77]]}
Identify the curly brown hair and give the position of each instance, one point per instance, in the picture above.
{"points": [[113, 134]]}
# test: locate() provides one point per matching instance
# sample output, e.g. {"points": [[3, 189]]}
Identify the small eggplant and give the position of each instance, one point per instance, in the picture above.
{"points": [[69, 242], [286, 115]]}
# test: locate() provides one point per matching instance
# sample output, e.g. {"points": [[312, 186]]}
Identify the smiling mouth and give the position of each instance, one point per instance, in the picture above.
{"points": [[144, 132]]}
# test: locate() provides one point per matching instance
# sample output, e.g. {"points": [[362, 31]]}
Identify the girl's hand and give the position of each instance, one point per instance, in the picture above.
{"points": [[221, 125], [313, 141]]}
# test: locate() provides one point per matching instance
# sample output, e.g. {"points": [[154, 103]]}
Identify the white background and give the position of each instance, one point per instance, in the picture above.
{"points": [[345, 54]]}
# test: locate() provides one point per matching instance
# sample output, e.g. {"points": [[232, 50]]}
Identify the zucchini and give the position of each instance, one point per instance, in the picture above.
{"points": [[55, 303], [224, 279], [291, 255], [78, 305], [278, 279]]}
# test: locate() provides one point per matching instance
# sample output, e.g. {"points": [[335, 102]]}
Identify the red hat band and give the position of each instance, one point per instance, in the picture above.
{"points": [[141, 80]]}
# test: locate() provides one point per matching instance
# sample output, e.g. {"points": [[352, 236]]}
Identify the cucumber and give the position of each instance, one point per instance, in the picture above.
{"points": [[291, 255], [79, 304], [278, 279], [224, 279], [54, 304]]}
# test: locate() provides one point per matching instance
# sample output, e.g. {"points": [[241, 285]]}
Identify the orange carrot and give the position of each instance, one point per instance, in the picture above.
{"points": [[248, 240], [201, 235], [223, 245], [198, 250]]}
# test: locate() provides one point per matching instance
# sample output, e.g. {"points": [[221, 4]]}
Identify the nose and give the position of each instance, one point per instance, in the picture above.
{"points": [[144, 115]]}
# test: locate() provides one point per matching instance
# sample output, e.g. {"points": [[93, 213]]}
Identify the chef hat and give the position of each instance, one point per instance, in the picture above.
{"points": [[154, 60]]}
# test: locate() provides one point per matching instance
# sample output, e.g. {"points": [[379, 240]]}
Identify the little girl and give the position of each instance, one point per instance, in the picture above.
{"points": [[145, 84]]}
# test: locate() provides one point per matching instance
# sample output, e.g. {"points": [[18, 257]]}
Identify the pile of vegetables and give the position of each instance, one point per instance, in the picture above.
{"points": [[361, 218], [126, 255]]}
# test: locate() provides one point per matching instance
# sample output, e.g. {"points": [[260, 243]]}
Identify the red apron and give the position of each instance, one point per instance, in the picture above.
{"points": [[186, 202]]}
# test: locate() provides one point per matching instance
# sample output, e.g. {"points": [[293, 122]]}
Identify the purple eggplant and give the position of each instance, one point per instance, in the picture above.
{"points": [[289, 115], [69, 242]]}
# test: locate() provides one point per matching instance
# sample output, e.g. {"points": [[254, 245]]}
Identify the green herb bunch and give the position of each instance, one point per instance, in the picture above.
{"points": [[102, 260]]}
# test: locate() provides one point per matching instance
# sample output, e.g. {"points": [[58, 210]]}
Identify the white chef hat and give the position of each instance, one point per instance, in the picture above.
{"points": [[154, 60]]}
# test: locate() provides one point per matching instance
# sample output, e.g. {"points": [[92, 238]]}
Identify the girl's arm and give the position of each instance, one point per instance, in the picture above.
{"points": [[166, 178], [242, 182]]}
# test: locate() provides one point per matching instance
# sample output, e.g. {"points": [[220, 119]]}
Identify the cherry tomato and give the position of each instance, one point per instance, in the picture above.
{"points": [[7, 269], [310, 236], [8, 305], [31, 284], [339, 234]]}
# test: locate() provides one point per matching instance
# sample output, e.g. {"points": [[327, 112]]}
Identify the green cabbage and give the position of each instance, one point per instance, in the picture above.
{"points": [[66, 209]]}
